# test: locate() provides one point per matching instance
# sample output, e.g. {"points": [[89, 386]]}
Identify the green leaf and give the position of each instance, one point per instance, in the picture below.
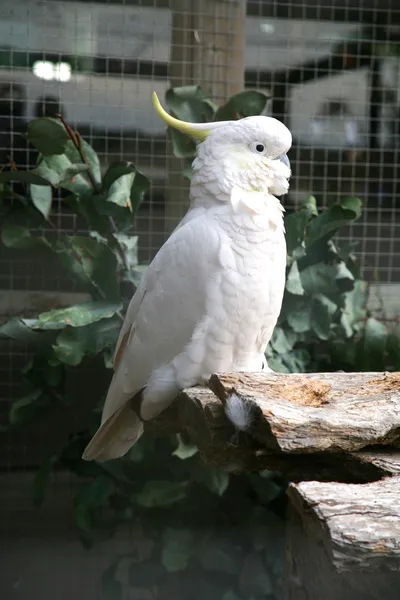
{"points": [[89, 498], [115, 171], [320, 319], [161, 493], [91, 159], [327, 223], [135, 274], [282, 341], [296, 361], [146, 574], [328, 279], [97, 264], [41, 371], [372, 346], [80, 314], [344, 278], [182, 145], [184, 449], [293, 281], [48, 136], [319, 278], [23, 177], [330, 306], [189, 104], [393, 352], [69, 173], [244, 104], [74, 342], [309, 206], [276, 364], [354, 311], [124, 185], [140, 186], [179, 545], [25, 408], [120, 191], [41, 479], [111, 588], [56, 170], [71, 345], [17, 329], [42, 198], [19, 236], [299, 315], [216, 480], [296, 224], [129, 246], [187, 172], [122, 217], [48, 327]]}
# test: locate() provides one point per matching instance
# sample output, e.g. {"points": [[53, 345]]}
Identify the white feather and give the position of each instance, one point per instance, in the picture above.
{"points": [[210, 299], [238, 412]]}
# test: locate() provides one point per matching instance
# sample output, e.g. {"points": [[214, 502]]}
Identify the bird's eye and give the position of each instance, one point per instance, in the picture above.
{"points": [[257, 147]]}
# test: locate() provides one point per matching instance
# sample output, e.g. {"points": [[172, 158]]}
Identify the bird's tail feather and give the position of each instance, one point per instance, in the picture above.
{"points": [[115, 436]]}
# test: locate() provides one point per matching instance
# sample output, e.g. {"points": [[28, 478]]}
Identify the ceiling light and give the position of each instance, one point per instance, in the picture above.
{"points": [[267, 28], [49, 71], [43, 69]]}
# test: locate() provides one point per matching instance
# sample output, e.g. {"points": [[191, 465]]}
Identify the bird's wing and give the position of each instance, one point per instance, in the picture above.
{"points": [[164, 312], [160, 321]]}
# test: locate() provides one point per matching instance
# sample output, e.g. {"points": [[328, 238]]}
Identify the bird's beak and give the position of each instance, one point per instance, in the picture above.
{"points": [[198, 131], [285, 160]]}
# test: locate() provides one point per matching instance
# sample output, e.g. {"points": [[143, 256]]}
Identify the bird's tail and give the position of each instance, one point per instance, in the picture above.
{"points": [[115, 436]]}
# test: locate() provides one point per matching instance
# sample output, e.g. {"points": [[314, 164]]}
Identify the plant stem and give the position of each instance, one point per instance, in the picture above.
{"points": [[77, 142]]}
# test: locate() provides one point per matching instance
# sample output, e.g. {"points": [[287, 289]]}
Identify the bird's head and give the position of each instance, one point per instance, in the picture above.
{"points": [[247, 155]]}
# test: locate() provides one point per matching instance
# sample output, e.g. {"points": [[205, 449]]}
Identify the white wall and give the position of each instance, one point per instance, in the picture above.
{"points": [[144, 33]]}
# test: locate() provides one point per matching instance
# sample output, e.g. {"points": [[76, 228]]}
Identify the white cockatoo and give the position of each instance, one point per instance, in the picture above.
{"points": [[210, 299]]}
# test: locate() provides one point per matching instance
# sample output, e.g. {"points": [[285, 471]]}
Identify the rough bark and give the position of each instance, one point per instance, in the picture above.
{"points": [[324, 412], [343, 541], [359, 525], [327, 427], [311, 574]]}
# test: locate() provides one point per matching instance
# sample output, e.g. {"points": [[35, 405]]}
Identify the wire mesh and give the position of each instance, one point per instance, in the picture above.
{"points": [[333, 75]]}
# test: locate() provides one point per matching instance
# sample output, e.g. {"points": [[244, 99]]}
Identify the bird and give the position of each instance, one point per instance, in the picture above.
{"points": [[210, 299]]}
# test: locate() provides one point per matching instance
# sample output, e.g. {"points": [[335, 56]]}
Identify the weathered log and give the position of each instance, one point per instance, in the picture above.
{"points": [[334, 426], [343, 541], [325, 412]]}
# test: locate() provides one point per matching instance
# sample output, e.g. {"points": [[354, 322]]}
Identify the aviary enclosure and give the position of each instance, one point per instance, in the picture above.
{"points": [[198, 510]]}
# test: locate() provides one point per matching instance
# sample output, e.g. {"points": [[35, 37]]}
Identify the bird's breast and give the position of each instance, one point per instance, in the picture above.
{"points": [[246, 299]]}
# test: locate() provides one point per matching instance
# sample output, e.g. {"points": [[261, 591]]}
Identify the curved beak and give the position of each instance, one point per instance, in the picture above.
{"points": [[285, 160], [198, 131]]}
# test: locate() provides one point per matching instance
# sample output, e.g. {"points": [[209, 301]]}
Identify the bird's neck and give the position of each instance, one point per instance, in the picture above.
{"points": [[255, 211]]}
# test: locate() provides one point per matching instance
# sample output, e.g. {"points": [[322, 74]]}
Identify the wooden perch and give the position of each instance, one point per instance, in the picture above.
{"points": [[329, 412], [327, 426], [343, 541], [359, 525]]}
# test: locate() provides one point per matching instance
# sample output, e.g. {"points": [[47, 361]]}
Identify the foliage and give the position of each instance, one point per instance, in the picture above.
{"points": [[189, 103], [324, 324], [202, 531]]}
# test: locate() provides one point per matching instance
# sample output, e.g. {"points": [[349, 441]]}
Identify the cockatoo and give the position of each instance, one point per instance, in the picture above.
{"points": [[210, 299]]}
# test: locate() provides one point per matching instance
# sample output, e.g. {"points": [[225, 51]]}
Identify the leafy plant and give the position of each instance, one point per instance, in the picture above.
{"points": [[202, 531], [324, 324]]}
